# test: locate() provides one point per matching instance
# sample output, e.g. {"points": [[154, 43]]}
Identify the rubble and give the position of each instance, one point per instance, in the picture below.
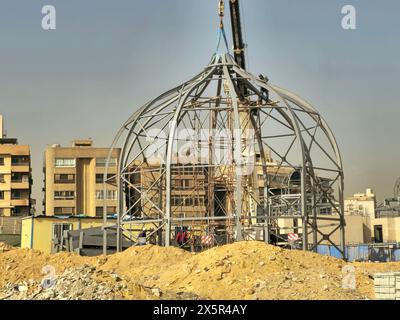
{"points": [[4, 247], [81, 283]]}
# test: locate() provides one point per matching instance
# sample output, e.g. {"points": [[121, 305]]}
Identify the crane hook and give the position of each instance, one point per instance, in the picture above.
{"points": [[221, 13], [221, 8]]}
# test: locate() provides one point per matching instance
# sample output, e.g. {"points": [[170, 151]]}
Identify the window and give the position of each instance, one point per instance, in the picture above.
{"points": [[1, 161], [186, 201], [64, 210], [99, 194], [110, 178], [59, 228], [102, 162], [65, 163], [198, 202], [1, 212], [99, 211], [111, 195], [19, 177], [16, 195], [180, 170], [378, 234], [181, 184], [64, 178], [64, 195], [19, 211], [1, 195], [2, 178], [110, 210], [176, 201], [20, 161]]}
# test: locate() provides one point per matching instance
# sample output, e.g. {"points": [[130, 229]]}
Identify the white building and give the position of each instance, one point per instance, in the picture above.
{"points": [[362, 204]]}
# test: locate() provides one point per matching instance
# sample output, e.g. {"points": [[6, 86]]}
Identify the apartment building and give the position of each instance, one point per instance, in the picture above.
{"points": [[73, 180], [15, 177]]}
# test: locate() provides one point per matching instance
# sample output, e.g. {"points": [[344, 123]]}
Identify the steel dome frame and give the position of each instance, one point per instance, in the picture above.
{"points": [[265, 107]]}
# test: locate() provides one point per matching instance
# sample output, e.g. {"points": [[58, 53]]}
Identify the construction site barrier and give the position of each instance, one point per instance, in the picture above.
{"points": [[382, 252]]}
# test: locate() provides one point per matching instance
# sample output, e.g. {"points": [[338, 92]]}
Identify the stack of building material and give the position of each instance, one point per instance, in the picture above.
{"points": [[387, 286]]}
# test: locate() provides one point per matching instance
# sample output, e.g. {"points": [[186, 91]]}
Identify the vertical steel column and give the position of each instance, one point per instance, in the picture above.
{"points": [[342, 220], [171, 138], [237, 154], [266, 208], [304, 212], [120, 213]]}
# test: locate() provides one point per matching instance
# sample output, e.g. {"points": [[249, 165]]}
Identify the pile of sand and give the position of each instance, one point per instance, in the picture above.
{"points": [[244, 270]]}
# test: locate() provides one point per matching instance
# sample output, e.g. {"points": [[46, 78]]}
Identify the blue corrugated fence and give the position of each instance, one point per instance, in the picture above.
{"points": [[383, 252]]}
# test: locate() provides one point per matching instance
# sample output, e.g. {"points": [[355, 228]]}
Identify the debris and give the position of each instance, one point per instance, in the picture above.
{"points": [[4, 247]]}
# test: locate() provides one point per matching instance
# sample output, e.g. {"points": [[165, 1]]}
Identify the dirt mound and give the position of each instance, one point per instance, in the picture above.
{"points": [[145, 262], [253, 270], [244, 270]]}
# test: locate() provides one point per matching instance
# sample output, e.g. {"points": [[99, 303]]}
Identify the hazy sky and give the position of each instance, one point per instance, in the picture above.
{"points": [[106, 58]]}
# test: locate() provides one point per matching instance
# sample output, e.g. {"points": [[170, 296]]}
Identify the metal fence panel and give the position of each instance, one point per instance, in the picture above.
{"points": [[323, 249], [334, 252], [396, 254]]}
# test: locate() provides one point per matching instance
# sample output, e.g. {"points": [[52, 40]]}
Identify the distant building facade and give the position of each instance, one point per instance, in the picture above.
{"points": [[73, 180], [15, 177], [384, 220], [362, 204]]}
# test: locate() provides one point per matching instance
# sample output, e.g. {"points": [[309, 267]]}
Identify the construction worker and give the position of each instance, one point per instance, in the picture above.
{"points": [[142, 237], [265, 92], [181, 236]]}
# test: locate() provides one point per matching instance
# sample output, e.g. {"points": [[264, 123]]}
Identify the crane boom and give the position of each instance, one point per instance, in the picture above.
{"points": [[238, 44]]}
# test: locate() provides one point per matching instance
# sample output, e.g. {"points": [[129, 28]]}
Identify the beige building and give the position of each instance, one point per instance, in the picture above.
{"points": [[73, 180], [361, 204], [15, 177], [378, 229], [385, 229]]}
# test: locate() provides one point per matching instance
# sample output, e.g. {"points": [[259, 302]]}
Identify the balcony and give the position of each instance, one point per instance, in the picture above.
{"points": [[20, 167], [19, 184], [64, 181], [20, 202], [20, 181]]}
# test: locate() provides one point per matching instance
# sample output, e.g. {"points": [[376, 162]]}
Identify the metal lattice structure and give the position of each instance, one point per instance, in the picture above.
{"points": [[396, 189], [235, 164]]}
